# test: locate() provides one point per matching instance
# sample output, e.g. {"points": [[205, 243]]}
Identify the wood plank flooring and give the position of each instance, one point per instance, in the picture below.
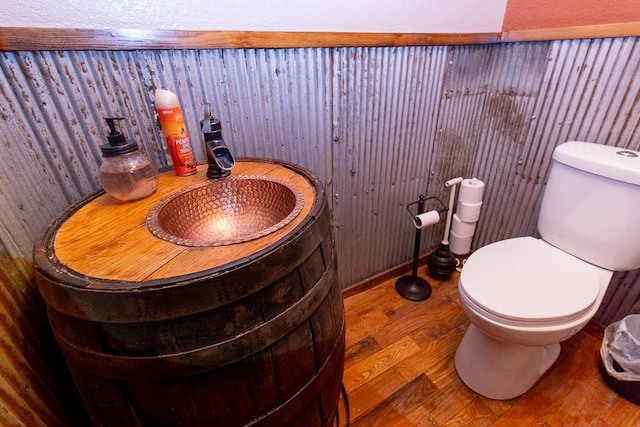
{"points": [[399, 370]]}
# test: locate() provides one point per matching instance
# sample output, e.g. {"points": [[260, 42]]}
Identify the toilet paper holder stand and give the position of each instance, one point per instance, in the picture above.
{"points": [[412, 287]]}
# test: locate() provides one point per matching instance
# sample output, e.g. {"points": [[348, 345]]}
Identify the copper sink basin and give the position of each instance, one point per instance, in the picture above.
{"points": [[225, 211]]}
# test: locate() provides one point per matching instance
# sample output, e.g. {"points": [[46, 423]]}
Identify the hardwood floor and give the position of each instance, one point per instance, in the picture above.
{"points": [[399, 370]]}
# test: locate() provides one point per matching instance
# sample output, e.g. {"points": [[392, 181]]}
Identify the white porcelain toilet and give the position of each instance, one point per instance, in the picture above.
{"points": [[524, 295]]}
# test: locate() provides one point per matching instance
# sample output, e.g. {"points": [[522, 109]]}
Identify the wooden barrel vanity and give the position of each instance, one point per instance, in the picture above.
{"points": [[157, 333]]}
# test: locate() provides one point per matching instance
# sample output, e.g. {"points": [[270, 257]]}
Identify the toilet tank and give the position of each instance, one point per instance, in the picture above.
{"points": [[591, 204]]}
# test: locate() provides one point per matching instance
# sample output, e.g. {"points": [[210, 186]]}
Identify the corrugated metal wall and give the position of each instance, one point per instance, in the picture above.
{"points": [[378, 125], [385, 106]]}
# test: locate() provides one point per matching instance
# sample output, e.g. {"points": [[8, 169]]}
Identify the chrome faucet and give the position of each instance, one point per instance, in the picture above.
{"points": [[219, 157]]}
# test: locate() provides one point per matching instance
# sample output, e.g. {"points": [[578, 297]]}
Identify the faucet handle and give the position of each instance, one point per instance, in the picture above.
{"points": [[218, 155], [210, 126], [205, 124]]}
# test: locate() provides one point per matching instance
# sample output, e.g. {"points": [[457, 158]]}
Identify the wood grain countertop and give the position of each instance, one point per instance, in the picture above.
{"points": [[107, 239]]}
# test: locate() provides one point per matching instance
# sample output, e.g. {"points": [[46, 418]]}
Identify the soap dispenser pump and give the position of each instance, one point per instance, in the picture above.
{"points": [[125, 173]]}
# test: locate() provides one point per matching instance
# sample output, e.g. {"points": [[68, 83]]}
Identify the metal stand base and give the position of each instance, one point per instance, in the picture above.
{"points": [[413, 288]]}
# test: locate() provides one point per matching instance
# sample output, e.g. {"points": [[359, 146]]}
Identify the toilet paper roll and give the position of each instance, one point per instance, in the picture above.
{"points": [[459, 245], [468, 212], [426, 218], [471, 190], [461, 228]]}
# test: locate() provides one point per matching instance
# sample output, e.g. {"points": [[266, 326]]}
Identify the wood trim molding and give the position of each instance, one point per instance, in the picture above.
{"points": [[16, 38], [624, 29], [19, 38]]}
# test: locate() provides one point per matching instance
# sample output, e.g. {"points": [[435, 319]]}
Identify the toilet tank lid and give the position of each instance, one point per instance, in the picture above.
{"points": [[603, 160]]}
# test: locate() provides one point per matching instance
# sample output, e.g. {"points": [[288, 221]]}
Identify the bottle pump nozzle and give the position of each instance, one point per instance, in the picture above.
{"points": [[117, 142], [115, 137]]}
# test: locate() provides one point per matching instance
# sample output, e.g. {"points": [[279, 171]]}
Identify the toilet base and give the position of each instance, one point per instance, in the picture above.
{"points": [[500, 370]]}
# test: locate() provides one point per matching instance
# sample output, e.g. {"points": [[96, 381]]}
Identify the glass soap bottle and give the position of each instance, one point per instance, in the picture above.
{"points": [[126, 173]]}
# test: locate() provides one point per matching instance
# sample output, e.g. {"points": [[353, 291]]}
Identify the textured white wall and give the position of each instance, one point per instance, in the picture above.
{"points": [[408, 16]]}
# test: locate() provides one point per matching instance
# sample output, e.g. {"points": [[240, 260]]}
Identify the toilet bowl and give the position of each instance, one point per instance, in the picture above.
{"points": [[523, 297]]}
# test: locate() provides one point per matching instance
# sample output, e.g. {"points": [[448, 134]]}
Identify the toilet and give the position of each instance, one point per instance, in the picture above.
{"points": [[525, 295]]}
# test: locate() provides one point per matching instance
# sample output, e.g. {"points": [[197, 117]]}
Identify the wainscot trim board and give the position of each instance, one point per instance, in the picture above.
{"points": [[31, 38], [15, 38]]}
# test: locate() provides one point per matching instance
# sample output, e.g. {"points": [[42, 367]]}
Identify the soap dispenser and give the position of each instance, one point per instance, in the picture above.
{"points": [[126, 173]]}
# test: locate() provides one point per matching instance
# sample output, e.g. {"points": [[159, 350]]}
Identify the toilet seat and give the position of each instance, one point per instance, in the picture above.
{"points": [[526, 280]]}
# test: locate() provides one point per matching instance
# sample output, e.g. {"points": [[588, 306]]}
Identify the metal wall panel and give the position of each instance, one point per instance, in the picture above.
{"points": [[490, 92], [378, 125], [384, 107]]}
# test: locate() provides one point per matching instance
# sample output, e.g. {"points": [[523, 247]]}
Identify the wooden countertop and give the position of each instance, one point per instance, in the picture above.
{"points": [[107, 239]]}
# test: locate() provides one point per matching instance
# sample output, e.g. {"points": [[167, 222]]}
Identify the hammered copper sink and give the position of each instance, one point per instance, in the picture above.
{"points": [[225, 211]]}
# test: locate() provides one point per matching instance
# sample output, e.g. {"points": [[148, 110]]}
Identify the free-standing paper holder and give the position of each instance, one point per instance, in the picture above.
{"points": [[412, 287]]}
